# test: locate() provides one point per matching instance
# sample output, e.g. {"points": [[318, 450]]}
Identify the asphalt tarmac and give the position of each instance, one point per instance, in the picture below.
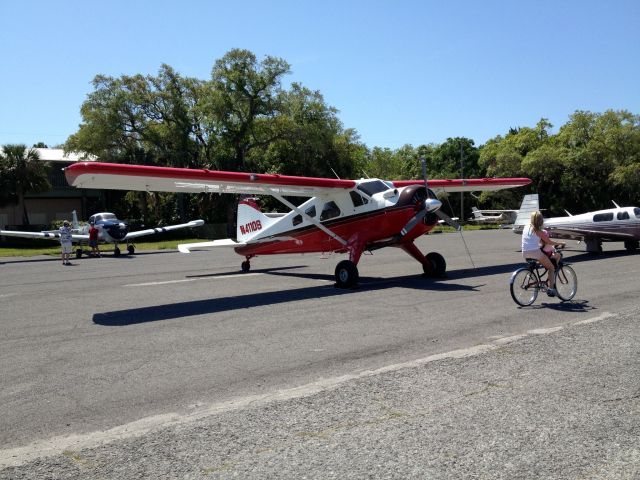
{"points": [[179, 366]]}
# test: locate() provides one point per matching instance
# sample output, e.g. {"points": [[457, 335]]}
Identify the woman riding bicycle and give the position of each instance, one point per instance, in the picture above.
{"points": [[532, 236]]}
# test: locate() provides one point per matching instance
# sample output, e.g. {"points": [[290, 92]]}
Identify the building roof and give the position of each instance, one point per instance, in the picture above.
{"points": [[58, 155]]}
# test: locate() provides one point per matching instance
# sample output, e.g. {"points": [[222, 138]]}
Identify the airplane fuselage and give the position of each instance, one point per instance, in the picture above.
{"points": [[610, 225], [373, 221]]}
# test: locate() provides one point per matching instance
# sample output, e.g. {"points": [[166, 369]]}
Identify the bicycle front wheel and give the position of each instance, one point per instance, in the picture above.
{"points": [[566, 283], [524, 287]]}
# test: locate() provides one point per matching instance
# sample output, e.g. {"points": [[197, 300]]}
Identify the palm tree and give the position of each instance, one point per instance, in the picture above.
{"points": [[22, 172]]}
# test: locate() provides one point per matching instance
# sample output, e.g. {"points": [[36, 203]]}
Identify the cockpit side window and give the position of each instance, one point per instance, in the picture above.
{"points": [[636, 211], [623, 215], [311, 211], [357, 199], [603, 217], [330, 210], [373, 186]]}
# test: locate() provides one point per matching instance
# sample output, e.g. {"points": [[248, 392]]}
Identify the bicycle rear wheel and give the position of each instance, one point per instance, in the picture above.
{"points": [[566, 283], [524, 287]]}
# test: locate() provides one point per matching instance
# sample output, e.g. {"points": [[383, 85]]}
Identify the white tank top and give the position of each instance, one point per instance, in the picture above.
{"points": [[530, 241]]}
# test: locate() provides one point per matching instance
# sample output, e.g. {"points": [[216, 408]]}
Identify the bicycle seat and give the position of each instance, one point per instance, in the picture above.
{"points": [[532, 262]]}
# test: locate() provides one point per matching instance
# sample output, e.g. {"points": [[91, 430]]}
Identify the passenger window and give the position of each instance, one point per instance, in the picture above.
{"points": [[330, 210], [311, 211], [636, 211], [603, 217], [357, 199], [297, 220], [623, 216]]}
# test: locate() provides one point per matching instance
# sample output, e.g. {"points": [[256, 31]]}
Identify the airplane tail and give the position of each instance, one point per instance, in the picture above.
{"points": [[477, 214], [250, 220], [74, 220], [529, 204]]}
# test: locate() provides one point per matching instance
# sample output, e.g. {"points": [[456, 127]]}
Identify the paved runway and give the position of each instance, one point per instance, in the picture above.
{"points": [[113, 348]]}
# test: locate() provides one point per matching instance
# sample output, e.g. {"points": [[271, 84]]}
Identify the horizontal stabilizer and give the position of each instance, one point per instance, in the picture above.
{"points": [[227, 242]]}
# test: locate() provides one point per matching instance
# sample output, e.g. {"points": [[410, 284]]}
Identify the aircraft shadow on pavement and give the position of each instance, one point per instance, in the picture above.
{"points": [[215, 305]]}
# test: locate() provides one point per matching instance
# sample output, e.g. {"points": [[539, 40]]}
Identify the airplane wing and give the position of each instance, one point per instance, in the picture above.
{"points": [[498, 211], [152, 231], [168, 179], [50, 235], [467, 185]]}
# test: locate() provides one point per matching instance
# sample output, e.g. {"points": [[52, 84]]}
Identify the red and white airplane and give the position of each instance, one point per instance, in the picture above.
{"points": [[343, 216]]}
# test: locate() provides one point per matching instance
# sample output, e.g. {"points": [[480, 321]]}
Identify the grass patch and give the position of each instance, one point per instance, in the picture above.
{"points": [[54, 250]]}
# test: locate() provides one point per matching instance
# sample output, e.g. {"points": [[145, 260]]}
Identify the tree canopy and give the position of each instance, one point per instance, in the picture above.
{"points": [[243, 118], [21, 172]]}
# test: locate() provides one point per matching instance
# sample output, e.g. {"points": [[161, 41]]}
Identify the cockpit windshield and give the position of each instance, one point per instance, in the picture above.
{"points": [[105, 216], [371, 187]]}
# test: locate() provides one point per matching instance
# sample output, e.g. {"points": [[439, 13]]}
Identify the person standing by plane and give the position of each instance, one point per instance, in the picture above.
{"points": [[93, 240], [532, 236], [65, 242]]}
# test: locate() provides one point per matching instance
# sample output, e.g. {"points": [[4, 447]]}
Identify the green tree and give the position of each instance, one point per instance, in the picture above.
{"points": [[22, 173], [244, 98]]}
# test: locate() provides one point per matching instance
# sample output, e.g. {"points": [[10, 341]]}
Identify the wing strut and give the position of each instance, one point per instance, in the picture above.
{"points": [[313, 220]]}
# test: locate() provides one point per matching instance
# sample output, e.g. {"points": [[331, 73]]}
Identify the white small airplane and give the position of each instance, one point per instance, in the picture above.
{"points": [[619, 224], [343, 216], [493, 216], [110, 230]]}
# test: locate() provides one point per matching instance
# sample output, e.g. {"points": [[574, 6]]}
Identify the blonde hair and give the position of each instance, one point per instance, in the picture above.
{"points": [[536, 220]]}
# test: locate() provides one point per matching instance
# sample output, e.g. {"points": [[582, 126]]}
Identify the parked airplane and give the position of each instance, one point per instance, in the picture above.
{"points": [[110, 230], [504, 217], [620, 224], [343, 216], [493, 216]]}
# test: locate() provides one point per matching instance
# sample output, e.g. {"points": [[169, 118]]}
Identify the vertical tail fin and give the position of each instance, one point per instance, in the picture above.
{"points": [[74, 220], [529, 204], [476, 212], [250, 220]]}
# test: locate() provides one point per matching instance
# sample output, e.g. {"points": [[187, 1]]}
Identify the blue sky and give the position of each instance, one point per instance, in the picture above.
{"points": [[399, 72]]}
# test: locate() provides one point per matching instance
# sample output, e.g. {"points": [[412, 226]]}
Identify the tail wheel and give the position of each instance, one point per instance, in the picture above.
{"points": [[245, 266], [437, 265], [346, 274]]}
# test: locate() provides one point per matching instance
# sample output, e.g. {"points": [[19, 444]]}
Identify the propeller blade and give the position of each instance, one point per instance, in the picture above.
{"points": [[424, 172], [448, 220], [413, 222]]}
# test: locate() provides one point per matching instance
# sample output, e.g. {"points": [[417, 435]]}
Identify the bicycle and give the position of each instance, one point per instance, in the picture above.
{"points": [[526, 282]]}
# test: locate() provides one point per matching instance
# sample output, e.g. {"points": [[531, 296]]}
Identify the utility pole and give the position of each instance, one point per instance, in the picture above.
{"points": [[462, 177]]}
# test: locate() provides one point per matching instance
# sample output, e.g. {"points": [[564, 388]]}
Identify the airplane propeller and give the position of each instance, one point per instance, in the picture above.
{"points": [[428, 205]]}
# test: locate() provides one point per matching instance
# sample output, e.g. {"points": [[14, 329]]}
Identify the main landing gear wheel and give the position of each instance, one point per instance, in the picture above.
{"points": [[245, 266], [78, 253], [346, 274], [437, 267], [131, 249], [116, 251]]}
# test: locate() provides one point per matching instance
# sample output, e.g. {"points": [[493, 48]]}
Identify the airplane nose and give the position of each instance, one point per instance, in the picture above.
{"points": [[118, 232]]}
